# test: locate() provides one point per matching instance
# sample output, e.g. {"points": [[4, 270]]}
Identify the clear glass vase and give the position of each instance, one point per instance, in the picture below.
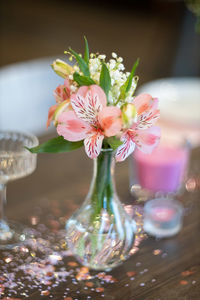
{"points": [[100, 234]]}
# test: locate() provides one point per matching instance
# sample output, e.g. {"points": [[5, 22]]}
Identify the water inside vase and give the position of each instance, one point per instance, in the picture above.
{"points": [[100, 242]]}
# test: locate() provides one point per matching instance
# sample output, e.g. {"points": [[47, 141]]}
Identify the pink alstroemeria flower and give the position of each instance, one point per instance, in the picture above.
{"points": [[147, 110], [91, 119], [141, 134], [61, 94]]}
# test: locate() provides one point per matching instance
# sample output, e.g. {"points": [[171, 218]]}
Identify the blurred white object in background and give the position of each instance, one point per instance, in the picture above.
{"points": [[179, 100], [26, 93]]}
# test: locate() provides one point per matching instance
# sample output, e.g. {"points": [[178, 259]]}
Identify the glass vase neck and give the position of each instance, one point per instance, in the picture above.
{"points": [[102, 189]]}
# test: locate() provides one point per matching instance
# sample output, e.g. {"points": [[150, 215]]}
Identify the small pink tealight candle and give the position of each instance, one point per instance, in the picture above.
{"points": [[163, 214], [162, 217], [162, 170]]}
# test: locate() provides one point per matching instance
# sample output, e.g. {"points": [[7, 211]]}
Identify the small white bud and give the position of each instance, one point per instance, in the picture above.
{"points": [[102, 56], [120, 59], [121, 67], [114, 55]]}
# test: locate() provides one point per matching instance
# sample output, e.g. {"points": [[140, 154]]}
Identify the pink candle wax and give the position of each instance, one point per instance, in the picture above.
{"points": [[161, 170], [163, 214]]}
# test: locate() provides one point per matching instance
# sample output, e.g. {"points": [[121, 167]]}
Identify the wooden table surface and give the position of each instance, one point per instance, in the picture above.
{"points": [[164, 269]]}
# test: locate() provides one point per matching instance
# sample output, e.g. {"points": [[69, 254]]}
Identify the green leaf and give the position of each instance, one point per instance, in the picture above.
{"points": [[127, 85], [56, 145], [82, 64], [105, 80], [83, 80], [114, 142], [130, 78], [86, 55]]}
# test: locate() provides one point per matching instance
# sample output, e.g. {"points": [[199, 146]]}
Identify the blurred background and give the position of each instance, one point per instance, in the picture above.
{"points": [[163, 34]]}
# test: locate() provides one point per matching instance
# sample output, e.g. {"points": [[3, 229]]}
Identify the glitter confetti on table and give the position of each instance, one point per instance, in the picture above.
{"points": [[157, 251], [187, 273], [131, 273], [183, 282], [44, 263]]}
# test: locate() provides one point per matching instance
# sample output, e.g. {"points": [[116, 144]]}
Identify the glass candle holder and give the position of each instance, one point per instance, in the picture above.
{"points": [[159, 173], [162, 217], [15, 162]]}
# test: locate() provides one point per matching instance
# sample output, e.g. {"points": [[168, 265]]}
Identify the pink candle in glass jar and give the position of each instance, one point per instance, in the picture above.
{"points": [[162, 170]]}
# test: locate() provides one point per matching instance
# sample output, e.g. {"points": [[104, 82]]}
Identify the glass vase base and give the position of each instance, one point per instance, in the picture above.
{"points": [[12, 234], [100, 251]]}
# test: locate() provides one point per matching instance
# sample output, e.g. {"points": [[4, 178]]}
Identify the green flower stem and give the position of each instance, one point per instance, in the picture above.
{"points": [[102, 189]]}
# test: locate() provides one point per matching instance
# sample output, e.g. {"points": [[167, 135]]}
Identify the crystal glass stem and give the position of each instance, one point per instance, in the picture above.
{"points": [[5, 232], [2, 203], [15, 162]]}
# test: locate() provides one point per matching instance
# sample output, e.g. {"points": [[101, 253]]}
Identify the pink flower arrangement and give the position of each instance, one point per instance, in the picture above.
{"points": [[90, 119], [96, 107]]}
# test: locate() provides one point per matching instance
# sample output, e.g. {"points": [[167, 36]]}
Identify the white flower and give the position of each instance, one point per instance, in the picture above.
{"points": [[121, 67], [114, 55], [102, 56], [117, 75], [120, 59]]}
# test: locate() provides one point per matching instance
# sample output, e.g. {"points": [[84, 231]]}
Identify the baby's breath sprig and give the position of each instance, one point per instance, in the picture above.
{"points": [[92, 68]]}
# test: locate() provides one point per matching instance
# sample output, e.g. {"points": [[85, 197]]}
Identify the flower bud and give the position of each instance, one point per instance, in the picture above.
{"points": [[62, 107], [128, 114], [61, 68]]}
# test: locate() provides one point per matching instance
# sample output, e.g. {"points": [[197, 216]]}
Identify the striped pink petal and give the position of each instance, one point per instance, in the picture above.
{"points": [[149, 118], [143, 103], [62, 92], [95, 90], [110, 120], [51, 112], [147, 111], [67, 85], [72, 128], [93, 144], [127, 147], [88, 102], [146, 140]]}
